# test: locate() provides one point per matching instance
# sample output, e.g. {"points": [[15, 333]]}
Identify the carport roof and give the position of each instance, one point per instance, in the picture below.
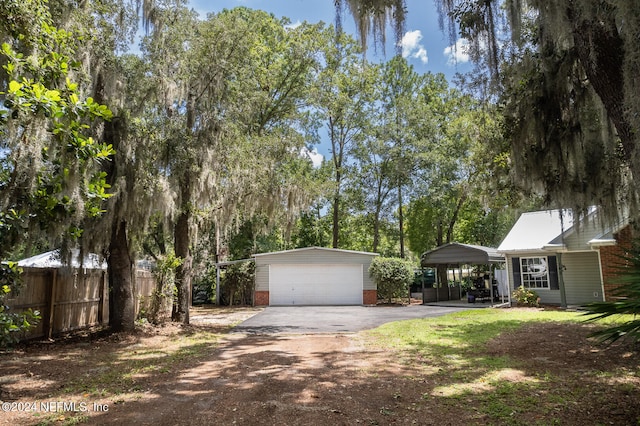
{"points": [[461, 254], [315, 248]]}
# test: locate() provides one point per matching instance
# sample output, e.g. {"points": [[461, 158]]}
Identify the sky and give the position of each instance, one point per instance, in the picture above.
{"points": [[424, 44]]}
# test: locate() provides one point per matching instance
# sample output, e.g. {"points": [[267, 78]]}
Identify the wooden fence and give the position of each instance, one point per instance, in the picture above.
{"points": [[72, 299]]}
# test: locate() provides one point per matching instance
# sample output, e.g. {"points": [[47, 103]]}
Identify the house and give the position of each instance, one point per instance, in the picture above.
{"points": [[314, 276], [565, 262]]}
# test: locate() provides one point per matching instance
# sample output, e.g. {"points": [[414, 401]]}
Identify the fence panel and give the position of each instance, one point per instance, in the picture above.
{"points": [[78, 296], [35, 293], [72, 299]]}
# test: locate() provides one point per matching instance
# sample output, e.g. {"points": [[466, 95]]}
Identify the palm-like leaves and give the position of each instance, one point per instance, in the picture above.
{"points": [[627, 301]]}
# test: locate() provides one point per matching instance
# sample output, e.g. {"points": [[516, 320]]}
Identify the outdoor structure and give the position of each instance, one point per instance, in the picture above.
{"points": [[565, 262], [455, 255], [70, 297], [314, 276]]}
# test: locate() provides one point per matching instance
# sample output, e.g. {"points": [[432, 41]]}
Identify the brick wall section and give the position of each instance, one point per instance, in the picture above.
{"points": [[610, 260], [369, 297], [261, 298]]}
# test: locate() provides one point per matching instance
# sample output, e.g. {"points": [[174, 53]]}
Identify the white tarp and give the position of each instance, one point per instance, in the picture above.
{"points": [[502, 279]]}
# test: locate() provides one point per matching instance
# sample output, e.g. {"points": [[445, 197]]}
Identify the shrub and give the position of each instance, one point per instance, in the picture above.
{"points": [[162, 298], [393, 277], [525, 296], [238, 283]]}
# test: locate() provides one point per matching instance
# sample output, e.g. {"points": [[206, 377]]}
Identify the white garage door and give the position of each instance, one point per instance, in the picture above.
{"points": [[315, 284]]}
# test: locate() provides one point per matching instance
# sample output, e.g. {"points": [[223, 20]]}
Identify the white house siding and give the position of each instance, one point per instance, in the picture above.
{"points": [[578, 239], [583, 272], [547, 296], [312, 256], [581, 278]]}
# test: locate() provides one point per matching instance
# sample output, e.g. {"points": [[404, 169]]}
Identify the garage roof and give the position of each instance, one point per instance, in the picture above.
{"points": [[315, 248], [461, 254]]}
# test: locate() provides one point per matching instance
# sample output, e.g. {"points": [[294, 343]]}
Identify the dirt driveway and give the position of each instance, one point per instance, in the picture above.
{"points": [[177, 375]]}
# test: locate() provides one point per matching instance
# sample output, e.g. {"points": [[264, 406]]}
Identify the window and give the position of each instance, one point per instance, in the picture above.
{"points": [[535, 272]]}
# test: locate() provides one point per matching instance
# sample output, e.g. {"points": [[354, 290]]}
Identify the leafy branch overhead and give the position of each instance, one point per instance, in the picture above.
{"points": [[49, 167]]}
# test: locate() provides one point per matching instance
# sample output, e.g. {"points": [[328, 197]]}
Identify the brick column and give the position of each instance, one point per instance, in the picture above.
{"points": [[261, 298], [611, 260], [369, 297]]}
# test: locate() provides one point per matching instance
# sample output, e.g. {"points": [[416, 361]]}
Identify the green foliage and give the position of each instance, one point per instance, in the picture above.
{"points": [[162, 297], [627, 301], [238, 283], [13, 324], [393, 277], [48, 171], [526, 296], [312, 230]]}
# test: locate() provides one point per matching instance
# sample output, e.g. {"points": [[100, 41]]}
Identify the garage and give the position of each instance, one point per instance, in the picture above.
{"points": [[314, 276], [315, 284]]}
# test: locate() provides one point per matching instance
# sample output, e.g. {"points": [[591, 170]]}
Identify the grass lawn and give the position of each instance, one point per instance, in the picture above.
{"points": [[517, 366]]}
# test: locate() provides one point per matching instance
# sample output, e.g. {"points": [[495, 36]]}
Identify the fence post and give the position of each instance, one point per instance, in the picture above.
{"points": [[102, 299], [52, 302]]}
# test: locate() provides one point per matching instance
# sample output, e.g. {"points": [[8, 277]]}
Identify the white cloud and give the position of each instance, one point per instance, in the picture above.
{"points": [[412, 48], [315, 157], [294, 25], [457, 53]]}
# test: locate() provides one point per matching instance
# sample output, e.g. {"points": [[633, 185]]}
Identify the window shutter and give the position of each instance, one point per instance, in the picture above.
{"points": [[554, 283], [517, 279]]}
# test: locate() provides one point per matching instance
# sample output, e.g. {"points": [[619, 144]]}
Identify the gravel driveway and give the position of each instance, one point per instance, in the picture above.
{"points": [[333, 319]]}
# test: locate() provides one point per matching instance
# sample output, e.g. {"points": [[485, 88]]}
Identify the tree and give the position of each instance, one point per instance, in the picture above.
{"points": [[341, 96], [232, 89], [50, 150], [48, 167], [569, 88], [374, 181], [312, 229], [400, 116], [137, 187]]}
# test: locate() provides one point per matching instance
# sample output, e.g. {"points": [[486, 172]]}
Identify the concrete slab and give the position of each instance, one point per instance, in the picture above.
{"points": [[334, 319]]}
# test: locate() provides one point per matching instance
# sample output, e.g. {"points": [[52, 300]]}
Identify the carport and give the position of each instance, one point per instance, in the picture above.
{"points": [[455, 255]]}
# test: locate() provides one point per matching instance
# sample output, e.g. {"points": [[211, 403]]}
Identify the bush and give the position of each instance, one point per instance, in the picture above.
{"points": [[525, 296], [162, 298], [392, 276], [238, 283]]}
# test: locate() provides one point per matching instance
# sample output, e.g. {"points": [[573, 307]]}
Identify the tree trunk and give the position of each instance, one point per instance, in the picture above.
{"points": [[380, 195], [336, 218], [601, 51], [401, 221], [376, 229], [120, 267], [454, 218], [182, 242], [182, 247]]}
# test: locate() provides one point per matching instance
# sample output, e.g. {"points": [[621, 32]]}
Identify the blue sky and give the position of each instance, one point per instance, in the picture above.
{"points": [[424, 45]]}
